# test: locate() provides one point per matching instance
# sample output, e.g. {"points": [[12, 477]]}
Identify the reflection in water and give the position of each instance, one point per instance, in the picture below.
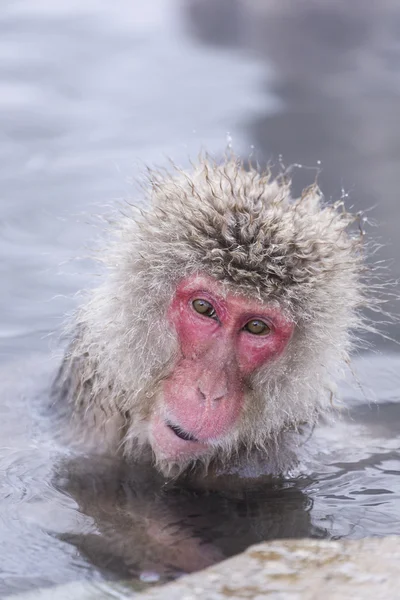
{"points": [[87, 91], [146, 526]]}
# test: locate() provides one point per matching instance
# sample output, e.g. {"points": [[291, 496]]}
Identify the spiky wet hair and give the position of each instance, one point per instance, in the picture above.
{"points": [[243, 228]]}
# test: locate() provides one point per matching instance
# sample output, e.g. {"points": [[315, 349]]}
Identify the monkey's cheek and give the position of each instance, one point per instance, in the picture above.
{"points": [[168, 446]]}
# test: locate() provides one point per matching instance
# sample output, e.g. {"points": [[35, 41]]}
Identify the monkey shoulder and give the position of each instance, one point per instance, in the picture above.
{"points": [[83, 413]]}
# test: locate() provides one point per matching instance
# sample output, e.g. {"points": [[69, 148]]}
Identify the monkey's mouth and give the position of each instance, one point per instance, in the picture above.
{"points": [[183, 435]]}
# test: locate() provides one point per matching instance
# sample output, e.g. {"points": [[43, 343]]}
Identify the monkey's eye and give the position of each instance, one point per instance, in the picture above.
{"points": [[204, 308], [257, 327]]}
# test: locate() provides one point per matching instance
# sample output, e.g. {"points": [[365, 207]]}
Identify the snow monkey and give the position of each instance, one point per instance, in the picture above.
{"points": [[226, 312]]}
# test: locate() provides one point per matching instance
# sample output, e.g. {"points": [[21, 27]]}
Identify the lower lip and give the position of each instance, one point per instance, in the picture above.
{"points": [[184, 436], [169, 445]]}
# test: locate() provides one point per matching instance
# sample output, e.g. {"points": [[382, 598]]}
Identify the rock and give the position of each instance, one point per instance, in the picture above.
{"points": [[366, 569], [297, 570]]}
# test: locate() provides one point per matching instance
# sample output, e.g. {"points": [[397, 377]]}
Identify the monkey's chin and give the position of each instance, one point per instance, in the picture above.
{"points": [[169, 446]]}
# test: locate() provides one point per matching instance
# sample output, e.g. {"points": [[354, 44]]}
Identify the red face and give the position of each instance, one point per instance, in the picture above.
{"points": [[223, 339]]}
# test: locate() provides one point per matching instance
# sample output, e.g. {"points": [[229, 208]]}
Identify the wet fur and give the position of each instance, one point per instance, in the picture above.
{"points": [[243, 228]]}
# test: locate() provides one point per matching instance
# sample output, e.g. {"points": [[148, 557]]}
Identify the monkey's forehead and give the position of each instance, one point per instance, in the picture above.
{"points": [[249, 216], [246, 230]]}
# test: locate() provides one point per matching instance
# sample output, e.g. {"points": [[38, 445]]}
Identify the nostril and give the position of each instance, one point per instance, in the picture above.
{"points": [[204, 397], [218, 398]]}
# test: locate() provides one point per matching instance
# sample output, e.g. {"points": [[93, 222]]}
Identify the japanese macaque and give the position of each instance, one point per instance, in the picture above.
{"points": [[227, 312]]}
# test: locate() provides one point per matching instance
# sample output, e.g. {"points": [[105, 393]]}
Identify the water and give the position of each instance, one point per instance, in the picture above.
{"points": [[90, 91]]}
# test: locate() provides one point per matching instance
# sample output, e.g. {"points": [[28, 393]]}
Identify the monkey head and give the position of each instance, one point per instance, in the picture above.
{"points": [[225, 314]]}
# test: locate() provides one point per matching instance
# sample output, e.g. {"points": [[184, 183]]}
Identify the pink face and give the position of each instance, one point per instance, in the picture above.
{"points": [[223, 340]]}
